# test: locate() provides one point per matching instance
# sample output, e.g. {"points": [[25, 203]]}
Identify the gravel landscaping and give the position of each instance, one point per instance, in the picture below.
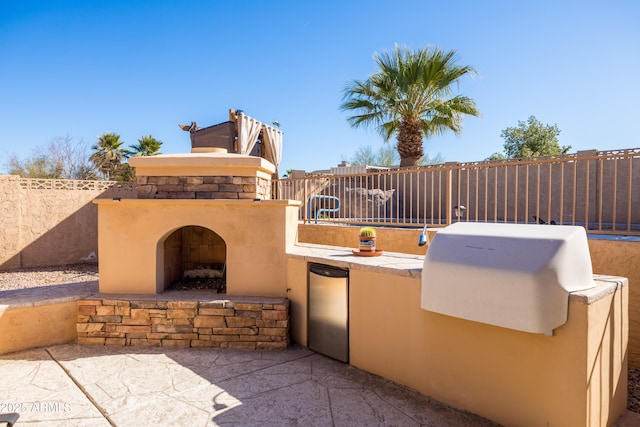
{"points": [[47, 276], [633, 403]]}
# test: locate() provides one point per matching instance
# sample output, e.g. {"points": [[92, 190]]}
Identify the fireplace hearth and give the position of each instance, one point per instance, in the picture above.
{"points": [[196, 283]]}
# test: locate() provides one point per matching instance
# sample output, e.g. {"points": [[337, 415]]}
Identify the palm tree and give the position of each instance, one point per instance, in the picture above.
{"points": [[108, 154], [410, 95], [146, 146]]}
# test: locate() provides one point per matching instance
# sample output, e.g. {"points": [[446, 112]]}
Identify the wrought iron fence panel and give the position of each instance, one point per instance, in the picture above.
{"points": [[597, 190]]}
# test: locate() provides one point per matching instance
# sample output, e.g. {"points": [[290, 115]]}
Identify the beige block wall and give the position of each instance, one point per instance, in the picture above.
{"points": [[30, 327], [49, 226], [57, 228], [10, 226]]}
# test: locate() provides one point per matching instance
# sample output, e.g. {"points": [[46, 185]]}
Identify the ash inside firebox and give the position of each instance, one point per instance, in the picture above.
{"points": [[217, 284]]}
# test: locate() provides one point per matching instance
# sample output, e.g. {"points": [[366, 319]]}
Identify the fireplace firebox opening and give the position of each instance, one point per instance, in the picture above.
{"points": [[194, 257]]}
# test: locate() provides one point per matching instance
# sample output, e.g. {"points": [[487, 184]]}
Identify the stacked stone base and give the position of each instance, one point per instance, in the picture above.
{"points": [[221, 324]]}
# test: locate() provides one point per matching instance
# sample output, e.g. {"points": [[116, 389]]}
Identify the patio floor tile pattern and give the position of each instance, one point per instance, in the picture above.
{"points": [[74, 385]]}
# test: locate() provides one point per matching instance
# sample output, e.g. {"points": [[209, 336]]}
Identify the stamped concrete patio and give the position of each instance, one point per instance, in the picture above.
{"points": [[74, 385]]}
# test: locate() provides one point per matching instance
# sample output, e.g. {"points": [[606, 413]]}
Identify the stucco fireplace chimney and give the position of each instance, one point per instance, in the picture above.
{"points": [[226, 194]]}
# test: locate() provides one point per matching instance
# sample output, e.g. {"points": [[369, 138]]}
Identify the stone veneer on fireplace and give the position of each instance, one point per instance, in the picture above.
{"points": [[203, 187], [242, 323]]}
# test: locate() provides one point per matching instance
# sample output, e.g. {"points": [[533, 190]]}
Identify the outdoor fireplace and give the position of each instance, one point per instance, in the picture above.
{"points": [[205, 214], [194, 258]]}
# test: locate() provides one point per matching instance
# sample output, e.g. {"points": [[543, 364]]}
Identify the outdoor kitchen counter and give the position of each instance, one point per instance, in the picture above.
{"points": [[407, 265], [393, 263]]}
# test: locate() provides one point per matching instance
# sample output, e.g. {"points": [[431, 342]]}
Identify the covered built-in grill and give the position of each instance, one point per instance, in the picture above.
{"points": [[515, 276]]}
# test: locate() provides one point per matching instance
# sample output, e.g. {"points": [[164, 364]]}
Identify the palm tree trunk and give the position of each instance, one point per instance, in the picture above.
{"points": [[410, 142]]}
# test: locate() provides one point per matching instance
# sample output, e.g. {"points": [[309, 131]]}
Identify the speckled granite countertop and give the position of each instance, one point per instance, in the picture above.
{"points": [[605, 285], [389, 262]]}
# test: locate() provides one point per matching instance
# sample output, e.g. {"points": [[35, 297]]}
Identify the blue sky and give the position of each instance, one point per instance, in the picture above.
{"points": [[81, 68]]}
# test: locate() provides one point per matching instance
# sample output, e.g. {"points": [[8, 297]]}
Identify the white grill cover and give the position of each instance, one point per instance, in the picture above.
{"points": [[510, 275]]}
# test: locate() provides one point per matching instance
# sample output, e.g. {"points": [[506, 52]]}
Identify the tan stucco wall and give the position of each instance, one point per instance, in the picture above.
{"points": [[298, 295], [203, 164], [504, 375], [30, 327], [257, 235], [607, 357]]}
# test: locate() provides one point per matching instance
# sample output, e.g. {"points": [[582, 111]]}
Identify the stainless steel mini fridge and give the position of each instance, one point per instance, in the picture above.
{"points": [[328, 326]]}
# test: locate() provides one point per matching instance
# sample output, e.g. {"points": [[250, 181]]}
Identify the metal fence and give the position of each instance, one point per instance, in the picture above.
{"points": [[599, 190]]}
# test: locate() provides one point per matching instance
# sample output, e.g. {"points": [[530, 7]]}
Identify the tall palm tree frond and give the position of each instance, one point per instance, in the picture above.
{"points": [[411, 95], [146, 146], [108, 153]]}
